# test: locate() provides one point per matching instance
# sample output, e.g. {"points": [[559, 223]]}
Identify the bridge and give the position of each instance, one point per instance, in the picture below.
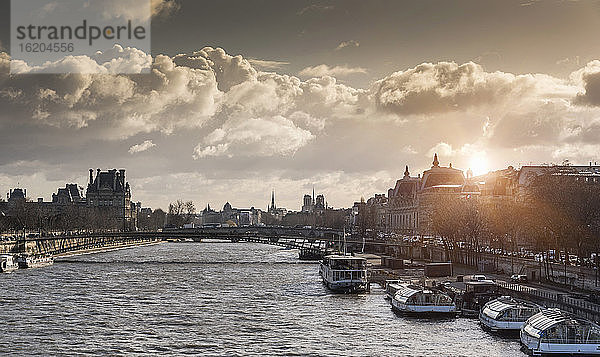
{"points": [[312, 242]]}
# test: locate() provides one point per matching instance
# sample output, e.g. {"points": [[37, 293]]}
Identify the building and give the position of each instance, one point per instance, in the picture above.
{"points": [[307, 203], [110, 194], [70, 194], [407, 208], [276, 213], [409, 204], [310, 204]]}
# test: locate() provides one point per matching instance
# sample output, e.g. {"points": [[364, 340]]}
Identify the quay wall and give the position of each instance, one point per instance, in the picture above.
{"points": [[551, 299], [68, 244], [570, 275]]}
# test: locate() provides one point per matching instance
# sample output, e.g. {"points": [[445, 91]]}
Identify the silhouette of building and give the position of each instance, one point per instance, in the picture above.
{"points": [[110, 193]]}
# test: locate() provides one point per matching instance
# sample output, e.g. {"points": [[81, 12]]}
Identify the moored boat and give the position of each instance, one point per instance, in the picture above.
{"points": [[391, 287], [343, 273], [34, 261], [415, 299], [553, 331], [8, 263], [507, 314]]}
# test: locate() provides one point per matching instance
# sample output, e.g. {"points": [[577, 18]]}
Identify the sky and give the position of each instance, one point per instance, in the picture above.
{"points": [[250, 96]]}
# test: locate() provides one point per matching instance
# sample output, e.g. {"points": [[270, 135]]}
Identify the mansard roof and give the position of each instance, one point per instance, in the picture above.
{"points": [[111, 180]]}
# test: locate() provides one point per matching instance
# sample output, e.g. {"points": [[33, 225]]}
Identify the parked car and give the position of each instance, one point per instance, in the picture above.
{"points": [[518, 278]]}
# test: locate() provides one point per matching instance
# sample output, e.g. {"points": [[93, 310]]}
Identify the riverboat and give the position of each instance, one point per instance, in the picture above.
{"points": [[8, 263], [392, 287], [420, 300], [34, 261], [507, 314], [553, 331], [344, 273]]}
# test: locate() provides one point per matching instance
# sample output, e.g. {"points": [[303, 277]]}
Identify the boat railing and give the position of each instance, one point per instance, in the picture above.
{"points": [[442, 303], [348, 274], [568, 341]]}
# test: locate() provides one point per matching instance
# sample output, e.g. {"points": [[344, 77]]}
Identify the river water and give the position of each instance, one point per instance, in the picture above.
{"points": [[221, 299]]}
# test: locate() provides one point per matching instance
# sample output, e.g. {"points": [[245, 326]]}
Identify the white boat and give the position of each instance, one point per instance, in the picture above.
{"points": [[553, 331], [392, 286], [506, 313], [8, 263], [34, 261], [415, 299], [344, 273]]}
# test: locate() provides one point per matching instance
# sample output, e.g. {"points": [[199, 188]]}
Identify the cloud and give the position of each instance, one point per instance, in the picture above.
{"points": [[116, 106], [164, 8], [254, 137], [267, 64], [446, 86], [344, 44], [324, 70], [148, 144], [589, 77], [234, 119], [113, 61]]}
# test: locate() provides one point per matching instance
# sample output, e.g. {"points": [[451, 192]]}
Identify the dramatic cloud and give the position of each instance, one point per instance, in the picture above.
{"points": [[169, 97], [589, 76], [324, 70], [254, 137], [212, 111], [445, 86], [267, 64], [148, 144], [344, 44], [115, 60]]}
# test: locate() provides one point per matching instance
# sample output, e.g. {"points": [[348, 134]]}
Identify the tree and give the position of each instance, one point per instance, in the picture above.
{"points": [[180, 213]]}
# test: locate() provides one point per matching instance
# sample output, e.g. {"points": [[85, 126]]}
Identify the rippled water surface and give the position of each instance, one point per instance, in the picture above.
{"points": [[213, 299]]}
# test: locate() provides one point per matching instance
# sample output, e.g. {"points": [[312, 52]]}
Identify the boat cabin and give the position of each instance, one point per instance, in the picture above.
{"points": [[556, 331], [507, 313]]}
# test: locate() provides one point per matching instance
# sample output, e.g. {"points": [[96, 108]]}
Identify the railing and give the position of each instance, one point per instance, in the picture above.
{"points": [[567, 341], [559, 298]]}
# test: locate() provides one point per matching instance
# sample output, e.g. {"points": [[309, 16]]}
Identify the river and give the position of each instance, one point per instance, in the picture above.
{"points": [[214, 299]]}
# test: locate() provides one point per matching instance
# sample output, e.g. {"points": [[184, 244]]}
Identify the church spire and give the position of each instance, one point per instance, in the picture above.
{"points": [[436, 162], [273, 199], [406, 172]]}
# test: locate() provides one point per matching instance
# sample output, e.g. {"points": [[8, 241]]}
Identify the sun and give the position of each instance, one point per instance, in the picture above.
{"points": [[479, 164]]}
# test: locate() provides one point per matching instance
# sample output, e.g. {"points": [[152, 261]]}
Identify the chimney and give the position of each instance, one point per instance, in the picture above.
{"points": [[97, 179], [91, 176], [122, 177]]}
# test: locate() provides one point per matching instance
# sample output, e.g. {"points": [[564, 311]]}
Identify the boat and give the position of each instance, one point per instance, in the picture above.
{"points": [[8, 263], [34, 261], [471, 296], [392, 287], [420, 300], [507, 314], [344, 273], [553, 331]]}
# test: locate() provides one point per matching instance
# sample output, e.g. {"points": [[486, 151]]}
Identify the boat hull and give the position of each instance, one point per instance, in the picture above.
{"points": [[495, 325], [33, 262], [537, 348], [8, 264], [346, 287], [8, 269]]}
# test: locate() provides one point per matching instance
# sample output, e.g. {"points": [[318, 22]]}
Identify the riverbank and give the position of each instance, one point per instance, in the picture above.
{"points": [[105, 249]]}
